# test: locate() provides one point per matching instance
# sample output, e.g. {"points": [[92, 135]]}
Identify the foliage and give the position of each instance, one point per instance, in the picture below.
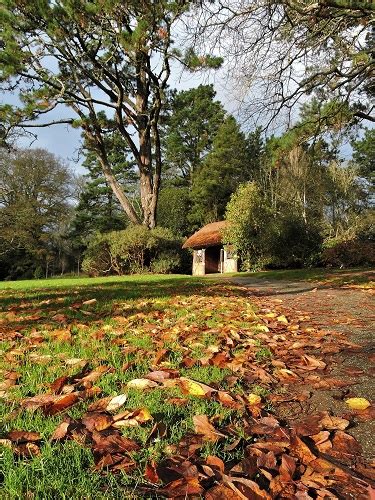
{"points": [[364, 155], [290, 49], [98, 209], [36, 190], [173, 210], [96, 59], [140, 373], [135, 249], [249, 220], [268, 238], [354, 252], [189, 131], [226, 166], [97, 256]]}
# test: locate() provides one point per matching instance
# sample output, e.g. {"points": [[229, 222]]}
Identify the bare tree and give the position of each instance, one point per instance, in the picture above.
{"points": [[277, 52]]}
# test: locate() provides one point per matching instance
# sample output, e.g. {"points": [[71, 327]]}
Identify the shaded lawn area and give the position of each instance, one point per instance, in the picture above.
{"points": [[199, 367]]}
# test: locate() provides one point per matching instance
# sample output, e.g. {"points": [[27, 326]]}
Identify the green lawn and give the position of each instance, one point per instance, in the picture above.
{"points": [[130, 320], [80, 341]]}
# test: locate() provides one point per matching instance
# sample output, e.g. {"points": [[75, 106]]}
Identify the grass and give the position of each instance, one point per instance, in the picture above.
{"points": [[45, 325], [131, 319]]}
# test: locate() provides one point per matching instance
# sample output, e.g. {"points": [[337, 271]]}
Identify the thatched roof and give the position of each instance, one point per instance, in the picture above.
{"points": [[208, 236]]}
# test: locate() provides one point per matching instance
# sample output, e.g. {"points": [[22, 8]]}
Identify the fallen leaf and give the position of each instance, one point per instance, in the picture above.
{"points": [[194, 388], [204, 427], [23, 436], [141, 384], [221, 492], [182, 488], [116, 402], [97, 421], [333, 423], [358, 403], [253, 399], [88, 302], [27, 450], [61, 404], [60, 432]]}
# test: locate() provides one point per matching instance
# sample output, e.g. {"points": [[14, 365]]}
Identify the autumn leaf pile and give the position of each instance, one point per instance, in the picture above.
{"points": [[195, 395]]}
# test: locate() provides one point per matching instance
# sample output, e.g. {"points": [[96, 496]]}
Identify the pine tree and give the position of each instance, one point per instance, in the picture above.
{"points": [[227, 166]]}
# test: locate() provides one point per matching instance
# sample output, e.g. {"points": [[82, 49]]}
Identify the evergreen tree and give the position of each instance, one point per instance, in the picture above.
{"points": [[109, 63], [364, 155], [98, 210], [193, 122], [227, 166]]}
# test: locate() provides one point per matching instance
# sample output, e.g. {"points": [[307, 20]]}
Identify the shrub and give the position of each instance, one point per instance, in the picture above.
{"points": [[266, 238], [135, 249], [349, 253], [97, 258], [165, 263]]}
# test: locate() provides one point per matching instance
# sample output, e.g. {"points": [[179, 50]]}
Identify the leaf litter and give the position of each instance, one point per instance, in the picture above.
{"points": [[268, 359]]}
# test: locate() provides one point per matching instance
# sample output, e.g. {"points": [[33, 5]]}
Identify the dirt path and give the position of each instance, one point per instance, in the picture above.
{"points": [[350, 312]]}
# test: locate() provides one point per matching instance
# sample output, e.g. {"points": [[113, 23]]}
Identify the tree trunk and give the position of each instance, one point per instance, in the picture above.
{"points": [[147, 187], [119, 192]]}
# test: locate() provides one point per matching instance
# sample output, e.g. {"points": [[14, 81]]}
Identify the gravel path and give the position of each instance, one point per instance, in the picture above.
{"points": [[349, 311]]}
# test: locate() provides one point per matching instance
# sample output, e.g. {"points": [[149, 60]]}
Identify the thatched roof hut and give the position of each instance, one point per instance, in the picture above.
{"points": [[208, 236], [209, 254]]}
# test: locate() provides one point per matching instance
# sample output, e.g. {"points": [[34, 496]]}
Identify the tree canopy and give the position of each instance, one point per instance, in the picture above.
{"points": [[36, 190], [93, 57], [279, 52]]}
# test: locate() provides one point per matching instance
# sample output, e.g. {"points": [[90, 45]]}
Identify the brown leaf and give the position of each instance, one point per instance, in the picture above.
{"points": [[36, 402], [221, 492], [151, 474], [27, 450], [311, 363], [344, 446], [159, 430], [248, 488], [99, 405], [61, 404], [161, 375], [308, 426], [333, 423], [215, 462], [227, 400], [287, 468], [97, 421], [23, 436], [58, 384], [94, 374], [113, 444], [299, 449], [182, 488], [160, 355], [61, 431], [203, 426]]}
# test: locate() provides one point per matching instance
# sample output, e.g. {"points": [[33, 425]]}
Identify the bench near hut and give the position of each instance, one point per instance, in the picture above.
{"points": [[209, 253]]}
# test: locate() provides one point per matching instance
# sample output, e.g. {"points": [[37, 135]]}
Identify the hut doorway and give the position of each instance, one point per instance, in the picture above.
{"points": [[212, 259]]}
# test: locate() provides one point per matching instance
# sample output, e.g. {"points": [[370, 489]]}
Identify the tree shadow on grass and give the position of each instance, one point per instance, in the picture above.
{"points": [[61, 307]]}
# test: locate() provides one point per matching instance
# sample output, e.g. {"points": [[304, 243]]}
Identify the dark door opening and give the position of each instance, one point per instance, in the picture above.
{"points": [[212, 260]]}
